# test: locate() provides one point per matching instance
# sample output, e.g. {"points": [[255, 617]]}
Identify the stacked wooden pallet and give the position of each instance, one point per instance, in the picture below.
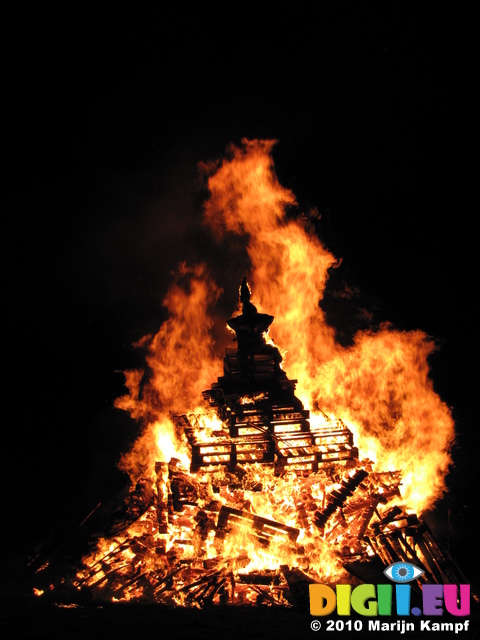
{"points": [[268, 425]]}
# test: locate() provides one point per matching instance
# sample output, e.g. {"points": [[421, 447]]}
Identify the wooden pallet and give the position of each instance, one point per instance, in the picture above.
{"points": [[229, 452], [257, 442], [263, 529]]}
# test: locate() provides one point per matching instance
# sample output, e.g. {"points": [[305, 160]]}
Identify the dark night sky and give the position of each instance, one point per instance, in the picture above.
{"points": [[106, 118]]}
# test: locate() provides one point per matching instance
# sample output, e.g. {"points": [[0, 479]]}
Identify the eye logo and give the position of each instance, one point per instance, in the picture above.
{"points": [[403, 572]]}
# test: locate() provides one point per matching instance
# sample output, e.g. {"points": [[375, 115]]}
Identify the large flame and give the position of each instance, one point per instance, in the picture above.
{"points": [[180, 363], [379, 387]]}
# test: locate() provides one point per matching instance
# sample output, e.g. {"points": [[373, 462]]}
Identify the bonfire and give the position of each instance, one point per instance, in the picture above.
{"points": [[289, 458]]}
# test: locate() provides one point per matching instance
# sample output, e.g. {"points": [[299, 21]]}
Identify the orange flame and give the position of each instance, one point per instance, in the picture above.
{"points": [[379, 387], [181, 363]]}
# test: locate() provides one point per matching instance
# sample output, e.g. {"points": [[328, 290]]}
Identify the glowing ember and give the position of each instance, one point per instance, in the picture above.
{"points": [[239, 491]]}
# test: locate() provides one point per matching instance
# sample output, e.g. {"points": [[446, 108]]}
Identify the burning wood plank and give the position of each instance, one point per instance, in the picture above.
{"points": [[338, 497], [161, 470], [263, 529]]}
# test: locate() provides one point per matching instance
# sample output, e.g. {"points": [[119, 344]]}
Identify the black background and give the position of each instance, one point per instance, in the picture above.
{"points": [[107, 115]]}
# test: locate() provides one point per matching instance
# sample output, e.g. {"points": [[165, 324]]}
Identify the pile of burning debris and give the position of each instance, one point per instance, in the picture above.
{"points": [[271, 502]]}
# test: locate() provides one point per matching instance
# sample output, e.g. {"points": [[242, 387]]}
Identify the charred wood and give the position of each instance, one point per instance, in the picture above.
{"points": [[263, 528], [338, 497]]}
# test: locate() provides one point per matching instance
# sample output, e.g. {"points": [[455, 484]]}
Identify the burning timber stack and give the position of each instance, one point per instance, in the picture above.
{"points": [[265, 421], [268, 504]]}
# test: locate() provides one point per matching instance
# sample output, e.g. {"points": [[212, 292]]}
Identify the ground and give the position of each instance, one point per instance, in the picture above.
{"points": [[26, 619]]}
